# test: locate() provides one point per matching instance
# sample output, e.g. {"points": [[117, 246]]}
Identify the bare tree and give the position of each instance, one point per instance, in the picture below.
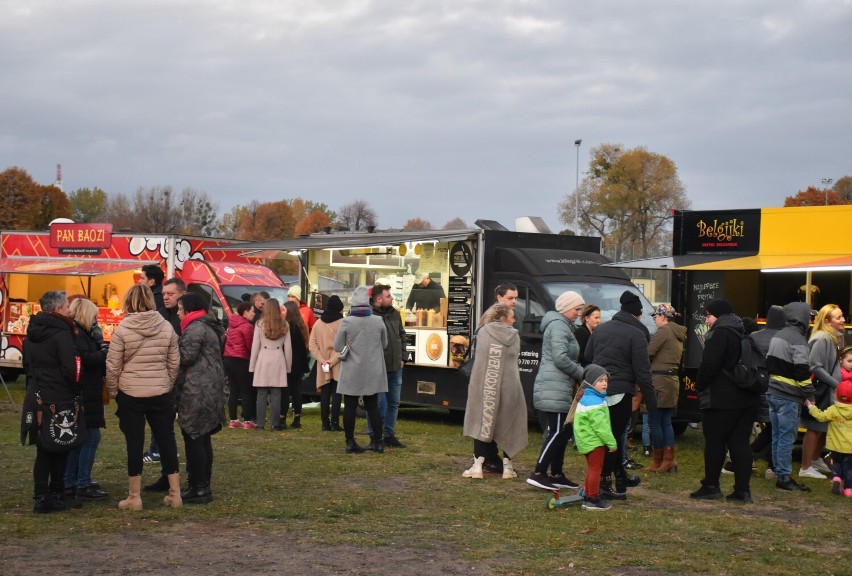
{"points": [[357, 215], [198, 213]]}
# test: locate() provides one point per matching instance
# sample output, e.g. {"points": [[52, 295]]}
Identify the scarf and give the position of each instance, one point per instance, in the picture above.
{"points": [[191, 317], [361, 311]]}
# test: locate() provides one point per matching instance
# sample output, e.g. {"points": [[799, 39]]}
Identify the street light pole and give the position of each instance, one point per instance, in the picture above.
{"points": [[577, 188], [826, 182]]}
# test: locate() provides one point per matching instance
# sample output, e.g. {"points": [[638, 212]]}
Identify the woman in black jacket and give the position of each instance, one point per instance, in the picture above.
{"points": [[50, 364], [727, 411], [299, 342], [78, 470]]}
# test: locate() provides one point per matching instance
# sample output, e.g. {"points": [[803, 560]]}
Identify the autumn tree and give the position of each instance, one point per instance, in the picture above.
{"points": [[302, 208], [17, 189], [119, 211], [843, 187], [88, 205], [48, 203], [627, 199], [417, 224], [315, 221], [357, 215], [455, 224], [813, 196]]}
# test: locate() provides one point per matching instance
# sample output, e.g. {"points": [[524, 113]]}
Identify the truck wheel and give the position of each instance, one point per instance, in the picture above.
{"points": [[680, 427]]}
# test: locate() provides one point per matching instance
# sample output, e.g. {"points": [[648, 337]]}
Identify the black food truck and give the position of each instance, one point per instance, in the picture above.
{"points": [[467, 266]]}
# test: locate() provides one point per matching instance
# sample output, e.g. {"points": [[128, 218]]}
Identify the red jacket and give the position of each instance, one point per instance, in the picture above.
{"points": [[308, 316], [240, 335]]}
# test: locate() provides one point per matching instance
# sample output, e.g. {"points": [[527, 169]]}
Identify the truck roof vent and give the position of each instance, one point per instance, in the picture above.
{"points": [[532, 224], [491, 225]]}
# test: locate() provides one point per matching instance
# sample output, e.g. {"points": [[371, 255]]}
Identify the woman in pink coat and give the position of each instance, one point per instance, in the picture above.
{"points": [[271, 357]]}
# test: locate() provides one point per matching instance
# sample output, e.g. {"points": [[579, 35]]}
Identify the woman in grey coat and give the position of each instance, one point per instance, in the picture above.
{"points": [[362, 372], [201, 393], [553, 391]]}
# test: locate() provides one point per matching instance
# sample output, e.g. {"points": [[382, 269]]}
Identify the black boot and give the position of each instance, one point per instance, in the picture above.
{"points": [[707, 492], [190, 487], [42, 504], [335, 426], [326, 426], [201, 494], [57, 502], [606, 490], [623, 481], [376, 444], [353, 448], [161, 485], [297, 421], [69, 496]]}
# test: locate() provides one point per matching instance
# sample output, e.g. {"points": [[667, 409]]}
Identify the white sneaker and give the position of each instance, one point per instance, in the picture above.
{"points": [[769, 474], [508, 470], [811, 473], [475, 471], [819, 464]]}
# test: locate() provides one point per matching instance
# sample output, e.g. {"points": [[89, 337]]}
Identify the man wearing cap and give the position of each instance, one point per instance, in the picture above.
{"points": [[425, 294], [727, 411], [620, 346], [553, 392]]}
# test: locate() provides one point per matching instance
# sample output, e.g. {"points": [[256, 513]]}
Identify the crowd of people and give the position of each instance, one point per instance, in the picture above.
{"points": [[171, 357]]}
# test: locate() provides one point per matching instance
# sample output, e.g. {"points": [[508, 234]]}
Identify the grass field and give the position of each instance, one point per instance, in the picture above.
{"points": [[300, 487]]}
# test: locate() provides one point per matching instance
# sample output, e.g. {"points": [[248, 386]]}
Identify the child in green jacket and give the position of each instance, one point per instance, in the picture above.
{"points": [[593, 433]]}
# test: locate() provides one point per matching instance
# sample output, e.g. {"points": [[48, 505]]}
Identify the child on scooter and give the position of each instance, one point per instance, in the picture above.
{"points": [[593, 433]]}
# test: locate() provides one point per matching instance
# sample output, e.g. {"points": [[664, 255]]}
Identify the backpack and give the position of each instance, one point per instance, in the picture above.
{"points": [[749, 373]]}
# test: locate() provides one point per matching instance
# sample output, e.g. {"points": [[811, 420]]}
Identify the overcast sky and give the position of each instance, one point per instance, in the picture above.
{"points": [[425, 108]]}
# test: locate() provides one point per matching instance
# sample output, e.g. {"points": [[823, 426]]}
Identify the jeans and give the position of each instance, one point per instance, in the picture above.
{"points": [[646, 430], [389, 404], [274, 395], [784, 417], [78, 470], [662, 433]]}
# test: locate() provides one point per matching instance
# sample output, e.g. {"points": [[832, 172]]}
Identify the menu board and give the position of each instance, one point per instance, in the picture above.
{"points": [[460, 302], [703, 287]]}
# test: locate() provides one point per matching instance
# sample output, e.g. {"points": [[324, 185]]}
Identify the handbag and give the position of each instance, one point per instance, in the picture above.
{"points": [[61, 425], [466, 366], [343, 354]]}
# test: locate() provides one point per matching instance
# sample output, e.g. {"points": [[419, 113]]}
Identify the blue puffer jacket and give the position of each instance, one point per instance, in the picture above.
{"points": [[559, 368]]}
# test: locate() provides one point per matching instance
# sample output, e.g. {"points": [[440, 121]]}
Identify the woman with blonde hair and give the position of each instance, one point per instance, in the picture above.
{"points": [[141, 367], [78, 471], [825, 342], [271, 357]]}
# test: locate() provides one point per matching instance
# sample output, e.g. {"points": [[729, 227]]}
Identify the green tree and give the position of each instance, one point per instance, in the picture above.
{"points": [[627, 198], [17, 191], [48, 203], [88, 205]]}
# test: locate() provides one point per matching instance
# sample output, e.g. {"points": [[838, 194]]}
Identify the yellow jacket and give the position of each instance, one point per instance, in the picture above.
{"points": [[839, 418]]}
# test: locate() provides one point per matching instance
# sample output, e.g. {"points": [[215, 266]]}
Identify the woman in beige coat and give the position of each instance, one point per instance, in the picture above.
{"points": [[271, 358], [321, 345], [141, 367]]}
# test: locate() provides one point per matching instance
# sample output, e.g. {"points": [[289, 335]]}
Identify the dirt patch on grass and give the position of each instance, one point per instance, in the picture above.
{"points": [[217, 548]]}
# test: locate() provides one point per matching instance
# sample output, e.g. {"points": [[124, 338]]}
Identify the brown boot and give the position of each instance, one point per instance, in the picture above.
{"points": [[658, 460], [669, 463], [173, 498], [133, 500]]}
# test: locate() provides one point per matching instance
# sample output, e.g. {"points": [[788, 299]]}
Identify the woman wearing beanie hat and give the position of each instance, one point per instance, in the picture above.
{"points": [[321, 345], [363, 370], [558, 373], [727, 411]]}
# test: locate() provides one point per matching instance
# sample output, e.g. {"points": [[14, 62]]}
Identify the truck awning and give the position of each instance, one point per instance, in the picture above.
{"points": [[347, 240], [765, 262], [68, 266]]}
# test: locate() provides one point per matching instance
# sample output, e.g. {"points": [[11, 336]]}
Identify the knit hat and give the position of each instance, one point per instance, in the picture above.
{"points": [[630, 303], [663, 310], [719, 307], [361, 296], [296, 292], [844, 393], [335, 304], [592, 374], [568, 301]]}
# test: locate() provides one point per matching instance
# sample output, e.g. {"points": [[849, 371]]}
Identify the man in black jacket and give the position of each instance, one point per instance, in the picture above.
{"points": [[389, 403], [50, 363], [620, 346], [152, 276]]}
